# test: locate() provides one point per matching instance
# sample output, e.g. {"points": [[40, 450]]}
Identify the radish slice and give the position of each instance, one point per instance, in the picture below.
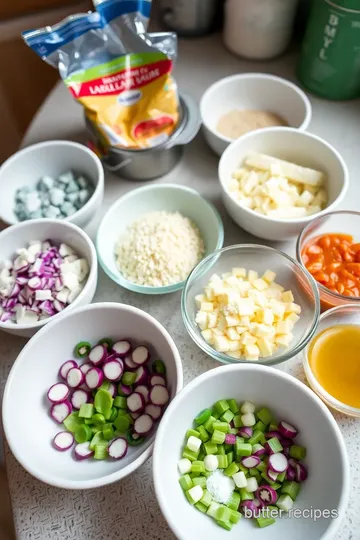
{"points": [[144, 390], [63, 441], [122, 348], [266, 494], [63, 371], [154, 411], [124, 390], [245, 432], [135, 415], [230, 438], [250, 462], [260, 450], [287, 430], [85, 368], [112, 390], [301, 473], [290, 473], [135, 402], [278, 462], [272, 434], [60, 411], [113, 370], [130, 365], [157, 379], [249, 508], [74, 377], [286, 443], [159, 395], [58, 392], [97, 354], [94, 378], [83, 451], [142, 375], [272, 475], [140, 355], [78, 398], [143, 424], [118, 448]]}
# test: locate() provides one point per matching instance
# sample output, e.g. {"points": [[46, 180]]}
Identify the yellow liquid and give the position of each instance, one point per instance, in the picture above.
{"points": [[334, 358]]}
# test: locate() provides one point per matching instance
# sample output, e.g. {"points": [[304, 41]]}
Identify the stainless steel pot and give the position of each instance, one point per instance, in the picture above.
{"points": [[150, 163]]}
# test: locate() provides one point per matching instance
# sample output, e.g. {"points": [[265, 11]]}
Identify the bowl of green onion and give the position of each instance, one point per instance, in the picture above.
{"points": [[247, 451]]}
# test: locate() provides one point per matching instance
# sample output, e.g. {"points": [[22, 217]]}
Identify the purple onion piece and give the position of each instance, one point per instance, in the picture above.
{"points": [[230, 438], [245, 432], [248, 508]]}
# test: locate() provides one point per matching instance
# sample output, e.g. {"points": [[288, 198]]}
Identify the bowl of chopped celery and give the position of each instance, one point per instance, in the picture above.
{"points": [[248, 451], [96, 400], [250, 303], [53, 180]]}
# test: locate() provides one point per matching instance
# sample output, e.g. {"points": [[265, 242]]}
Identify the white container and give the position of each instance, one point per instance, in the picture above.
{"points": [[19, 236], [292, 145], [251, 91], [258, 29], [328, 483], [36, 369], [51, 158]]}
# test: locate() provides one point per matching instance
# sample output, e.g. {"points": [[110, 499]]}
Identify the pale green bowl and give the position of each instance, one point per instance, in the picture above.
{"points": [[168, 197]]}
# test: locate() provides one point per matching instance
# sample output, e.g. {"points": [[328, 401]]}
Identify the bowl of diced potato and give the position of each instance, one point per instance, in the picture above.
{"points": [[274, 181], [250, 303]]}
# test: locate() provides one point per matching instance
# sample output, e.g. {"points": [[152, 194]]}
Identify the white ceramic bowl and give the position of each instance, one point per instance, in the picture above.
{"points": [[326, 488], [50, 158], [251, 91], [154, 198], [30, 430], [292, 145], [19, 236]]}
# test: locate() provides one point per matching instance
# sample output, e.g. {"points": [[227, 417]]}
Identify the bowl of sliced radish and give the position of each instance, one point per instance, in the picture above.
{"points": [[247, 451], [96, 400]]}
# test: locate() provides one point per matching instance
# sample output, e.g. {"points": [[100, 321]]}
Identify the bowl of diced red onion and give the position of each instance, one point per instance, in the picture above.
{"points": [[47, 267], [96, 384]]}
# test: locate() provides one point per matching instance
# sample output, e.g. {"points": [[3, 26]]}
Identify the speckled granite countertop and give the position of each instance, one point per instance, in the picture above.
{"points": [[128, 510]]}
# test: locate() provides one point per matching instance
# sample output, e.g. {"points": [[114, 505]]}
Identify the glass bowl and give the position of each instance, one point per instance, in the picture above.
{"points": [[289, 273], [344, 314], [343, 222]]}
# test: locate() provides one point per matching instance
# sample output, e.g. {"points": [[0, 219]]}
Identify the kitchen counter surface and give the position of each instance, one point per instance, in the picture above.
{"points": [[128, 510]]}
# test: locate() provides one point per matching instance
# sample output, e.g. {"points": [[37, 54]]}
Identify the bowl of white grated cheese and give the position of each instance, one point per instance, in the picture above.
{"points": [[151, 238]]}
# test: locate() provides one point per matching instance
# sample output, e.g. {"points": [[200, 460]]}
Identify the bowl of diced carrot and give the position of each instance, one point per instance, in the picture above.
{"points": [[329, 248]]}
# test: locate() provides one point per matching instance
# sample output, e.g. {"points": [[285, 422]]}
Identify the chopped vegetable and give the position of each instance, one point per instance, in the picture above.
{"points": [[98, 354], [159, 367], [82, 349], [83, 451], [63, 441], [113, 369], [63, 371], [109, 411], [121, 348], [118, 448], [256, 325], [243, 469], [60, 411], [58, 392], [39, 283]]}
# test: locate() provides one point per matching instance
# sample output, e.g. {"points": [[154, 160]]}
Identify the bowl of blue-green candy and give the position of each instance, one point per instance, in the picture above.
{"points": [[51, 180]]}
